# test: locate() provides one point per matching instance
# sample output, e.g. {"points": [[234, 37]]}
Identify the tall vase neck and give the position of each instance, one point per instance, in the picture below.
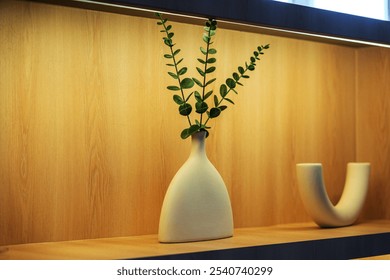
{"points": [[198, 144]]}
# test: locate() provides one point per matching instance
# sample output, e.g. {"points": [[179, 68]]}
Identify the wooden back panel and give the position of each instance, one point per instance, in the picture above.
{"points": [[90, 140]]}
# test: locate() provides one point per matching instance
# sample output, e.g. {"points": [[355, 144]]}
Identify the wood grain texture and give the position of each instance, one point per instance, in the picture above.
{"points": [[288, 114], [148, 245], [90, 137], [381, 257], [373, 130]]}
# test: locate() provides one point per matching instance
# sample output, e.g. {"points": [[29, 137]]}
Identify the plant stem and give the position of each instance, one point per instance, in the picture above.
{"points": [[178, 78], [174, 62], [220, 101], [205, 68]]}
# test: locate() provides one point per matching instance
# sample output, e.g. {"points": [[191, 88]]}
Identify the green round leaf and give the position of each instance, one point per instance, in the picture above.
{"points": [[168, 42], [176, 52], [211, 81], [198, 97], [207, 95], [212, 51], [211, 60], [236, 76], [173, 75], [210, 70], [201, 107], [177, 63], [197, 82], [185, 133], [185, 109], [231, 83], [178, 99], [214, 112], [200, 71], [251, 67], [182, 71], [216, 102], [173, 88], [206, 38], [241, 70], [193, 128], [229, 100], [223, 90], [187, 83], [201, 61]]}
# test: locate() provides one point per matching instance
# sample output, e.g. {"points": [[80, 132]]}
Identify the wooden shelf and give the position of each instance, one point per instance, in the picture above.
{"points": [[289, 241]]}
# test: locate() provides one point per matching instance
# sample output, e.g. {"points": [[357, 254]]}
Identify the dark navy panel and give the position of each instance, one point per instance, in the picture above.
{"points": [[326, 249], [277, 15]]}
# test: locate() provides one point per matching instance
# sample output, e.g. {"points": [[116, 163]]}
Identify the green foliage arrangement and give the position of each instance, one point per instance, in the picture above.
{"points": [[205, 108]]}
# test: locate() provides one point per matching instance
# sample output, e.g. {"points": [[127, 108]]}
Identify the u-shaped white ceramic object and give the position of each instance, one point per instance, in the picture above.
{"points": [[316, 201]]}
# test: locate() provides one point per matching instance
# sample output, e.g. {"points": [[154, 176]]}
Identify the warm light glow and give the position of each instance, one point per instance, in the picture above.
{"points": [[377, 9], [249, 25]]}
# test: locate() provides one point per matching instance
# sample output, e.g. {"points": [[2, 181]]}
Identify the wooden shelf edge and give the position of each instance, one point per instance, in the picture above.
{"points": [[278, 28], [289, 241]]}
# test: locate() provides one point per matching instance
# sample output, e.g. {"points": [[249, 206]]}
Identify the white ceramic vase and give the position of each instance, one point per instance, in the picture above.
{"points": [[197, 205], [316, 201]]}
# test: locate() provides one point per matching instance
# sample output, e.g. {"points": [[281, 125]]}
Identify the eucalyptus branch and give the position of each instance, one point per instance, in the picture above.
{"points": [[201, 105], [231, 84], [184, 107]]}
